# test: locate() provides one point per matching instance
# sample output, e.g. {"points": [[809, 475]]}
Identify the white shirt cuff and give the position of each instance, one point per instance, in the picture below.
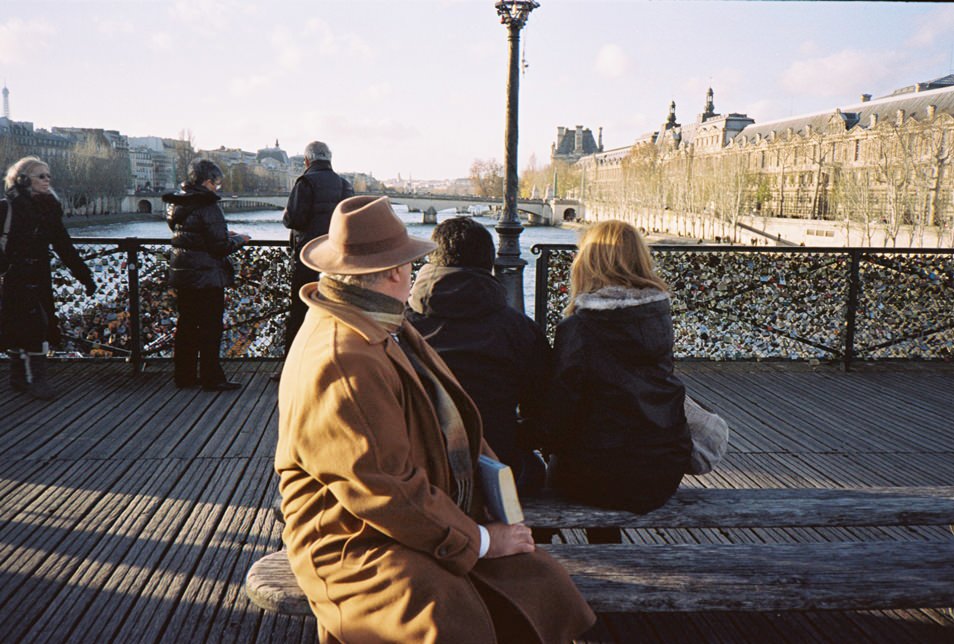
{"points": [[484, 541]]}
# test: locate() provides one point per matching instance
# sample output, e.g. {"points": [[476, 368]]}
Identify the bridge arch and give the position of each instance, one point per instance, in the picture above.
{"points": [[144, 206]]}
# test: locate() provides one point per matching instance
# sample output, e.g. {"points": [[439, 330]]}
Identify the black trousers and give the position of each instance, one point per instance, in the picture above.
{"points": [[300, 276], [198, 336]]}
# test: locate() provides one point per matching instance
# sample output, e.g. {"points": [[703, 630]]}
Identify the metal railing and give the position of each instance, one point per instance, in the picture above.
{"points": [[729, 303], [132, 316], [746, 303]]}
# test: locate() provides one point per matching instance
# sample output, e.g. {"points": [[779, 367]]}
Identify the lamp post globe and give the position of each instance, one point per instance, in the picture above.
{"points": [[508, 265]]}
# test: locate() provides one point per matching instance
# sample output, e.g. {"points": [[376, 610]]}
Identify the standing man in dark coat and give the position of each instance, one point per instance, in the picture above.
{"points": [[499, 355], [310, 204]]}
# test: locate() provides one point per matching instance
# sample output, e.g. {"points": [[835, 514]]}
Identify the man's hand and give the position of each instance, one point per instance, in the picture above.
{"points": [[506, 540]]}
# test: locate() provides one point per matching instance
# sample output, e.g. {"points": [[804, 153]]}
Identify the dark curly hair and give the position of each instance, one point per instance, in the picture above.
{"points": [[462, 242], [202, 170]]}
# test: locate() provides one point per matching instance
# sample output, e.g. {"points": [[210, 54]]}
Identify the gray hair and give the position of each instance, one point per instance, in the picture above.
{"points": [[21, 171], [366, 280], [317, 151]]}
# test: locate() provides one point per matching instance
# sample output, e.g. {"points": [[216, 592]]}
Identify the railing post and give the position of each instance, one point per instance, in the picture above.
{"points": [[540, 288], [131, 246], [851, 309]]}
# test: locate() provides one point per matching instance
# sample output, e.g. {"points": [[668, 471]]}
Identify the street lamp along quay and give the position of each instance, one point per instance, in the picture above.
{"points": [[508, 266]]}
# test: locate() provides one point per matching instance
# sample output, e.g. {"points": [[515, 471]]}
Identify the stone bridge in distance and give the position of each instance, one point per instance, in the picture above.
{"points": [[533, 211]]}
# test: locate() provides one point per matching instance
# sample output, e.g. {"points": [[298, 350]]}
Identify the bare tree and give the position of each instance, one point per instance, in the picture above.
{"points": [[486, 178]]}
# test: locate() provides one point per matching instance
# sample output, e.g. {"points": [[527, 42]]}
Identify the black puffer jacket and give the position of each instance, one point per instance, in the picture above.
{"points": [[200, 240], [37, 225], [616, 407], [499, 355], [311, 203]]}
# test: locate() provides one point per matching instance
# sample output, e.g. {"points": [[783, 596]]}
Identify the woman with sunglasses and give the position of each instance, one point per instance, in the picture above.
{"points": [[31, 220]]}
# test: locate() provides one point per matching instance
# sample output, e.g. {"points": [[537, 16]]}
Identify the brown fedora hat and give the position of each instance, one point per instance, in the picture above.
{"points": [[365, 236]]}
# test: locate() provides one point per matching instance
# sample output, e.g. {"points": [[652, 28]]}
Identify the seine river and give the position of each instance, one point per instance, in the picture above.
{"points": [[267, 225]]}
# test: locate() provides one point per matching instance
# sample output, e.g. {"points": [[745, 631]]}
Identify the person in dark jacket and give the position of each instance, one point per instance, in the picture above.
{"points": [[499, 355], [199, 270], [616, 410], [307, 214], [31, 220]]}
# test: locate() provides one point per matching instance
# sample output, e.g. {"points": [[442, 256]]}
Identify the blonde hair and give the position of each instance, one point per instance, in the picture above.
{"points": [[611, 253], [24, 166]]}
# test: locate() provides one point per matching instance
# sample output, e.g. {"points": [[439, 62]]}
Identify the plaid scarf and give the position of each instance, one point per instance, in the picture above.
{"points": [[389, 313]]}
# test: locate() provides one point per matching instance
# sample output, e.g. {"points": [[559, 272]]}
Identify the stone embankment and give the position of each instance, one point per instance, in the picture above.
{"points": [[81, 221]]}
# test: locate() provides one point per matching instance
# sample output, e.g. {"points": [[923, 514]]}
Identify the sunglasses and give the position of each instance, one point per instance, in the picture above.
{"points": [[45, 175]]}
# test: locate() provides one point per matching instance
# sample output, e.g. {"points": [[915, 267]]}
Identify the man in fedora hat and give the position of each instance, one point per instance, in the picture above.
{"points": [[386, 531]]}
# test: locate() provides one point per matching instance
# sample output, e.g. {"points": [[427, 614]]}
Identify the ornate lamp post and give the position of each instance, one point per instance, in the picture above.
{"points": [[508, 266]]}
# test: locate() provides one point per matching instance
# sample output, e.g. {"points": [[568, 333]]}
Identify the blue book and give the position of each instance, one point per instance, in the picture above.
{"points": [[500, 490]]}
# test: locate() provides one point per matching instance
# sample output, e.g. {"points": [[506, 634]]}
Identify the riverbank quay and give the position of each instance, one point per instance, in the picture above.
{"points": [[132, 510], [76, 223]]}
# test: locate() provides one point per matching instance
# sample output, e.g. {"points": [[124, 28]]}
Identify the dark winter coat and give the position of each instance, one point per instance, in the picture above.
{"points": [[200, 240], [311, 203], [616, 407], [27, 314], [499, 355]]}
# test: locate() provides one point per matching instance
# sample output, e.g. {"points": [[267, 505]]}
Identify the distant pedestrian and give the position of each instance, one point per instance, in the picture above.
{"points": [[199, 271], [616, 409], [31, 220], [307, 215], [500, 356]]}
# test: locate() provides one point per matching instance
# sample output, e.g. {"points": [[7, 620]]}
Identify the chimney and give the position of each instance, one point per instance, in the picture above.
{"points": [[931, 111], [865, 98], [874, 120], [578, 140], [900, 117]]}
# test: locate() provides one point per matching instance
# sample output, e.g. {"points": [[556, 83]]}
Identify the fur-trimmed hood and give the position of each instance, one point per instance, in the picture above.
{"points": [[619, 297]]}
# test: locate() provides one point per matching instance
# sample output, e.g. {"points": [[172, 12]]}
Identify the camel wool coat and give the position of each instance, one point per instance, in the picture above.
{"points": [[376, 542]]}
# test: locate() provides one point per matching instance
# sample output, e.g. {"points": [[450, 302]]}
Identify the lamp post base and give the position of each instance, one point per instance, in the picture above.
{"points": [[509, 265]]}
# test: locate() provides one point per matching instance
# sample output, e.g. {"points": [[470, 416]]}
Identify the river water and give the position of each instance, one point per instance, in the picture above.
{"points": [[267, 225]]}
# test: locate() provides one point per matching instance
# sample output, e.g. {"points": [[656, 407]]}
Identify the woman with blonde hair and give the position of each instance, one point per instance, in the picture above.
{"points": [[618, 426], [31, 220]]}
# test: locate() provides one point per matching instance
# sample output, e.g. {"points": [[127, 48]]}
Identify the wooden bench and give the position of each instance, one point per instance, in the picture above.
{"points": [[626, 577]]}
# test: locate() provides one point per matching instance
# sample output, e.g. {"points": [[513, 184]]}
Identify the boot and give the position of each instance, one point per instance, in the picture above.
{"points": [[18, 379], [38, 377]]}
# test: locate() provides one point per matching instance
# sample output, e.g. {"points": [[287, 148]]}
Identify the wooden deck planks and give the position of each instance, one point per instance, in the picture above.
{"points": [[131, 510]]}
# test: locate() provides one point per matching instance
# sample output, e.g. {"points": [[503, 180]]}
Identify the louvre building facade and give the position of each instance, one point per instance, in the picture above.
{"points": [[881, 167]]}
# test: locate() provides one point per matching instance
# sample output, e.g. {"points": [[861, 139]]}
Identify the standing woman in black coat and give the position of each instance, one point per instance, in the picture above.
{"points": [[199, 271], [31, 220], [616, 413]]}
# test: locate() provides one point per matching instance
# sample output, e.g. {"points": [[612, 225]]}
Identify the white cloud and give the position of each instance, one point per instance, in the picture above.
{"points": [[833, 75], [373, 129], [377, 91], [21, 40], [330, 41], [209, 15], [115, 27], [938, 24], [767, 109], [809, 48], [611, 61], [247, 85], [286, 49], [160, 41]]}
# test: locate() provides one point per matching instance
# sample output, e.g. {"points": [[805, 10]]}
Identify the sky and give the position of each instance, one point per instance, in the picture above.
{"points": [[418, 87]]}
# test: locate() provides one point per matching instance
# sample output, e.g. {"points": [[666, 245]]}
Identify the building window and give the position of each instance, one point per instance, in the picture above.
{"points": [[857, 149]]}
